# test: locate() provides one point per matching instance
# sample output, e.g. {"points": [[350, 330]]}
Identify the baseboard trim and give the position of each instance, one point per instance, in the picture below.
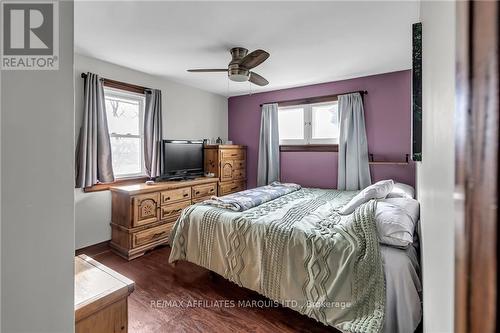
{"points": [[93, 250]]}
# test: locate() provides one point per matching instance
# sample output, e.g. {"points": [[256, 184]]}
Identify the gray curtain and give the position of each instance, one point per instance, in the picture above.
{"points": [[269, 149], [152, 133], [353, 170], [93, 152]]}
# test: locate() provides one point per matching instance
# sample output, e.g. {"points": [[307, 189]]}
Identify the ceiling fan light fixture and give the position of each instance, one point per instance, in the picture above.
{"points": [[238, 78], [238, 74]]}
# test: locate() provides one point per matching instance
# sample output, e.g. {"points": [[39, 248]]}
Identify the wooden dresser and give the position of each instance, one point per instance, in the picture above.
{"points": [[100, 298], [229, 164], [142, 216]]}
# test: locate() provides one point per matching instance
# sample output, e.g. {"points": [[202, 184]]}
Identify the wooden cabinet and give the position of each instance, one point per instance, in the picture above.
{"points": [[228, 163], [100, 298], [143, 215]]}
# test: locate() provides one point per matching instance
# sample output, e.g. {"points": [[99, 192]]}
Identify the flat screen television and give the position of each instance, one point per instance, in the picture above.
{"points": [[182, 159]]}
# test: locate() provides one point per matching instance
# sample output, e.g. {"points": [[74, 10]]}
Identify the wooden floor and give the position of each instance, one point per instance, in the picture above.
{"points": [[157, 283]]}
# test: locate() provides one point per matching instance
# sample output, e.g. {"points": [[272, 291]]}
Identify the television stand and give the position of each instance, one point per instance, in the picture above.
{"points": [[143, 215]]}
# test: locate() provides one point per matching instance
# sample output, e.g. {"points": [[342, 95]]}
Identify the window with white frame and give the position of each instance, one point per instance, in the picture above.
{"points": [[125, 114], [305, 124]]}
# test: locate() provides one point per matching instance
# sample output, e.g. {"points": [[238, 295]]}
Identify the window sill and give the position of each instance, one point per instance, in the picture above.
{"points": [[118, 182], [311, 147]]}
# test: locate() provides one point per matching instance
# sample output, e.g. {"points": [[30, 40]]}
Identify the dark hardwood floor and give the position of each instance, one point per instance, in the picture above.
{"points": [[157, 283]]}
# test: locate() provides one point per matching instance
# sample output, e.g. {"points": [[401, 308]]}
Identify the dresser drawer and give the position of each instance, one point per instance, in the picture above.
{"points": [[151, 235], [240, 164], [204, 190], [167, 197], [231, 187], [172, 212], [232, 154], [197, 200], [239, 174]]}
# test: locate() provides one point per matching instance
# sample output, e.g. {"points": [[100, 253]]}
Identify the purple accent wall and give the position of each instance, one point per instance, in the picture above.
{"points": [[388, 127]]}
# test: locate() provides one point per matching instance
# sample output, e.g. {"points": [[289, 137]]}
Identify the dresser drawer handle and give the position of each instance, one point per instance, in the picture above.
{"points": [[170, 212], [167, 198], [186, 194], [158, 234], [197, 192]]}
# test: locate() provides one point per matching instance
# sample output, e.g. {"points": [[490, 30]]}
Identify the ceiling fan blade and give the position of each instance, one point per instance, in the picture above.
{"points": [[208, 70], [254, 59], [257, 79]]}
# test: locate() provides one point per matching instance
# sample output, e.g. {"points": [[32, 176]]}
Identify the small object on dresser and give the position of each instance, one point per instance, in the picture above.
{"points": [[218, 141], [209, 174], [150, 182]]}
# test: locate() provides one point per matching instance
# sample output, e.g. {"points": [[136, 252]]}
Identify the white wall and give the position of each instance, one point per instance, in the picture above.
{"points": [[188, 113], [435, 174], [37, 177], [0, 203]]}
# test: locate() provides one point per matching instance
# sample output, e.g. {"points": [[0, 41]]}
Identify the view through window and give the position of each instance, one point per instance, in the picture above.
{"points": [[125, 112], [309, 124]]}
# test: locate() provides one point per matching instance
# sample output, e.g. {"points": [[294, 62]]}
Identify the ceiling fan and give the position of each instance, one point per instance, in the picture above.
{"points": [[239, 68]]}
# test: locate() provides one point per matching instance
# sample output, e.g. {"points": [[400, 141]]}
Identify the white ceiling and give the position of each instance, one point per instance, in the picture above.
{"points": [[309, 42]]}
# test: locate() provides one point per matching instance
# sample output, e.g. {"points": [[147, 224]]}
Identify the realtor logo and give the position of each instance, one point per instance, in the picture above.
{"points": [[30, 38]]}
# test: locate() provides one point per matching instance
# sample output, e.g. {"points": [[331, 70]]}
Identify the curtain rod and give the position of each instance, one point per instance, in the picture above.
{"points": [[316, 99], [123, 85]]}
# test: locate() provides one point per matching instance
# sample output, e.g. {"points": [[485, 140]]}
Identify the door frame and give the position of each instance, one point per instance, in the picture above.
{"points": [[476, 166]]}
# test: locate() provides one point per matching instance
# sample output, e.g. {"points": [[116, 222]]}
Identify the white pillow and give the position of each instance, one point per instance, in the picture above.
{"points": [[378, 190], [401, 190], [395, 226], [411, 206]]}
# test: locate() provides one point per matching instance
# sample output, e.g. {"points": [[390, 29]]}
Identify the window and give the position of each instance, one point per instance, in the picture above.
{"points": [[125, 112], [306, 124]]}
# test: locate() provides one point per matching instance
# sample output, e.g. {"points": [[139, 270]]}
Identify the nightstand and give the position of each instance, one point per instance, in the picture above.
{"points": [[100, 297]]}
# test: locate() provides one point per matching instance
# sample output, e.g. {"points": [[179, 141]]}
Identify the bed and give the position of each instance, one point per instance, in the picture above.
{"points": [[297, 250]]}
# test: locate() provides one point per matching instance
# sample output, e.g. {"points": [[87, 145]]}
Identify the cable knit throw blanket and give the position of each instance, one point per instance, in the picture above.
{"points": [[296, 250], [241, 201]]}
